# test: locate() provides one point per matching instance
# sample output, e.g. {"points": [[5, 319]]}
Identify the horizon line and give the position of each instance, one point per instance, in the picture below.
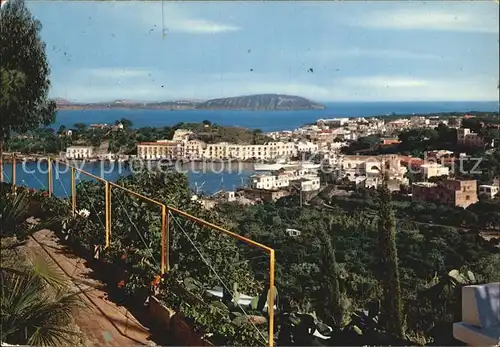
{"points": [[314, 101]]}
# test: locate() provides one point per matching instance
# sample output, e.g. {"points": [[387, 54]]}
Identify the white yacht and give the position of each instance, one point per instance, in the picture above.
{"points": [[286, 164]]}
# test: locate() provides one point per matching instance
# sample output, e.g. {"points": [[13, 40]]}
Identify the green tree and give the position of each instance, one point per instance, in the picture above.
{"points": [[62, 130], [332, 309], [127, 123], [24, 102], [113, 147], [363, 143], [388, 263], [80, 126]]}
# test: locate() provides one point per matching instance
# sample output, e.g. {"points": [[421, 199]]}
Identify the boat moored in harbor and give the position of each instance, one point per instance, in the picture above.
{"points": [[298, 164]]}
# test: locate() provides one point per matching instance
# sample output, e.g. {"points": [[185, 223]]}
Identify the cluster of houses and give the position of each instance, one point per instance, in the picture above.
{"points": [[183, 146], [326, 137], [434, 182]]}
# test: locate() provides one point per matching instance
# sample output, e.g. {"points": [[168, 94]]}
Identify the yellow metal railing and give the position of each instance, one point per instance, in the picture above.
{"points": [[165, 209]]}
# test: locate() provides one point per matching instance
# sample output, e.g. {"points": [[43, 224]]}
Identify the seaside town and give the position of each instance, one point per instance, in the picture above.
{"points": [[184, 214], [324, 142], [317, 157]]}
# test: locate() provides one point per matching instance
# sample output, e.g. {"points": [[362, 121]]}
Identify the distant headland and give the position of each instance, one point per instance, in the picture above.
{"points": [[270, 102]]}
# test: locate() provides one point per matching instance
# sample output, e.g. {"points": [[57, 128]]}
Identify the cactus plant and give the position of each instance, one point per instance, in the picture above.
{"points": [[259, 302], [236, 294]]}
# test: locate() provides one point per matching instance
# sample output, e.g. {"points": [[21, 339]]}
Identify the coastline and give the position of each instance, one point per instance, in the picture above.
{"points": [[186, 108], [30, 158]]}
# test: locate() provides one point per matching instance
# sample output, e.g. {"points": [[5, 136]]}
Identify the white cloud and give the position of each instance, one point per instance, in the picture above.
{"points": [[402, 88], [199, 26], [357, 52], [175, 17], [116, 73], [385, 82], [428, 17]]}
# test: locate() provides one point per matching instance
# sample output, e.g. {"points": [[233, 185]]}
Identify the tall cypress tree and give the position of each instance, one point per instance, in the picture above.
{"points": [[388, 263], [332, 309]]}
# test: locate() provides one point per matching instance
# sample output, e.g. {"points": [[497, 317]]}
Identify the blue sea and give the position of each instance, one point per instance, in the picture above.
{"points": [[265, 120], [204, 178], [212, 179]]}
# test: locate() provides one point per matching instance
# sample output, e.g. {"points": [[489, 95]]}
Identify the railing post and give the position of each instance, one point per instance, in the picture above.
{"points": [[165, 244], [49, 172], [271, 298], [73, 191], [108, 213], [14, 172], [1, 164]]}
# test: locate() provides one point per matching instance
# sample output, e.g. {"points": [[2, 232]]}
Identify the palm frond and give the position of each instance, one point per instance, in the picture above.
{"points": [[31, 314], [43, 267], [53, 336], [13, 213]]}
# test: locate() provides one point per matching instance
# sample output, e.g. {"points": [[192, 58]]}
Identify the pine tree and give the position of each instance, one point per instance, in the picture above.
{"points": [[388, 263]]}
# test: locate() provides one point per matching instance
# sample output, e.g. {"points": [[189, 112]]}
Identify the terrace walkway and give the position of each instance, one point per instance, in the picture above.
{"points": [[104, 323]]}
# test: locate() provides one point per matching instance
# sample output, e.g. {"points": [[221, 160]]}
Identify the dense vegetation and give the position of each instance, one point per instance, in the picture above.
{"points": [[425, 253], [416, 141], [483, 215], [38, 301], [330, 271]]}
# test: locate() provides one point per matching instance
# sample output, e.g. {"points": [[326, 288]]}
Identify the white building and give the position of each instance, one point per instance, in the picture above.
{"points": [[181, 135], [333, 122], [279, 179], [434, 170], [195, 149], [268, 151], [79, 152], [488, 191], [304, 184], [160, 150], [307, 147], [293, 232], [468, 138], [366, 165]]}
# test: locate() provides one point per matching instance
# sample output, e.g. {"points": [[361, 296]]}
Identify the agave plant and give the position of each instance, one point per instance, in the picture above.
{"points": [[445, 294], [453, 280]]}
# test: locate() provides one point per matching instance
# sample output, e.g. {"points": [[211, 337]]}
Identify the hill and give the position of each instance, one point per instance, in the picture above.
{"points": [[261, 102], [62, 102], [128, 104], [248, 102]]}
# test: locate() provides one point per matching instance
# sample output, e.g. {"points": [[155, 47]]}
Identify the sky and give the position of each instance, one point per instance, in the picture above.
{"points": [[324, 51]]}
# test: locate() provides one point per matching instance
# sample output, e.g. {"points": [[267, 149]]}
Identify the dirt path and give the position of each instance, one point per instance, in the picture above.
{"points": [[104, 323]]}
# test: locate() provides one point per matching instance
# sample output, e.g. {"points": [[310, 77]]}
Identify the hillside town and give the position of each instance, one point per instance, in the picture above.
{"points": [[234, 216], [313, 157]]}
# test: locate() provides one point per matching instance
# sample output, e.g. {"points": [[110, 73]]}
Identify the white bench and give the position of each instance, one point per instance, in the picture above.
{"points": [[480, 325]]}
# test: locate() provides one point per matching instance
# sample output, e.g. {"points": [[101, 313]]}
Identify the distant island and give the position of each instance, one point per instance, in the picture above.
{"points": [[271, 102], [261, 102]]}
